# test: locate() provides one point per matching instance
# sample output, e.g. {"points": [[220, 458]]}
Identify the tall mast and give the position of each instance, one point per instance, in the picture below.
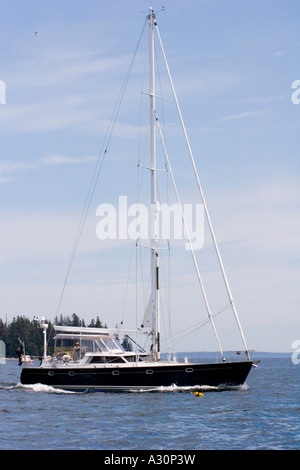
{"points": [[155, 347]]}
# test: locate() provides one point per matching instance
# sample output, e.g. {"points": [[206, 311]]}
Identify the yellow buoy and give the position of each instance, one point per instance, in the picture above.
{"points": [[198, 394]]}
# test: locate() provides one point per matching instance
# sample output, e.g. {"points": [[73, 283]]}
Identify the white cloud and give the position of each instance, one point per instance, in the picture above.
{"points": [[124, 131], [65, 160], [263, 216], [59, 88], [9, 170], [58, 67], [278, 53], [246, 114], [43, 115], [12, 167]]}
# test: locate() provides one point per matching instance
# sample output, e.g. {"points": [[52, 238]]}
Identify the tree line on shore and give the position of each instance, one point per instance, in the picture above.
{"points": [[26, 330]]}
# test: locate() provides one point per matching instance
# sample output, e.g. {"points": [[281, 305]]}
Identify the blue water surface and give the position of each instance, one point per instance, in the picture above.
{"points": [[263, 414]]}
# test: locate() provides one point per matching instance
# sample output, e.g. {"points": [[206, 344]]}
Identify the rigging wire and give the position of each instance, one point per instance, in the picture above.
{"points": [[190, 243], [98, 168], [204, 202], [187, 332]]}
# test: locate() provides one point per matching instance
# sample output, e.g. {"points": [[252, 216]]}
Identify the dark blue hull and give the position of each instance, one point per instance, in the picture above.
{"points": [[225, 374]]}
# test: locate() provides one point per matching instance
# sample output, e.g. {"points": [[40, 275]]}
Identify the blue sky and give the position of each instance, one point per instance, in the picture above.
{"points": [[233, 64]]}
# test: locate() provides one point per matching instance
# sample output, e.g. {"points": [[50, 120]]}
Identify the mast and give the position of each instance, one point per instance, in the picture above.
{"points": [[155, 347]]}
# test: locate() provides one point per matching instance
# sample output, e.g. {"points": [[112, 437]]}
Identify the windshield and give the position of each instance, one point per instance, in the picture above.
{"points": [[107, 344]]}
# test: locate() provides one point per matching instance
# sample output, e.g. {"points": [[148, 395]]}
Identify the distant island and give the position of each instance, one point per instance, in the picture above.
{"points": [[195, 355], [27, 331]]}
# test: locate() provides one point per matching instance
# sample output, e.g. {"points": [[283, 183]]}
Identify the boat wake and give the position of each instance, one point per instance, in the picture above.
{"points": [[43, 388], [192, 389]]}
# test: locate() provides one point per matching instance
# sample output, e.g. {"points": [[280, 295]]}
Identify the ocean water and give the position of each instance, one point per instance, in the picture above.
{"points": [[263, 414]]}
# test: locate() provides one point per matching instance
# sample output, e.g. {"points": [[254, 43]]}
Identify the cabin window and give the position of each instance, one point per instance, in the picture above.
{"points": [[111, 344], [106, 344], [106, 359], [134, 358]]}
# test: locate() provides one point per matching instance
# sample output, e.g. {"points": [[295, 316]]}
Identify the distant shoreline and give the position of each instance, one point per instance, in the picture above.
{"points": [[212, 354]]}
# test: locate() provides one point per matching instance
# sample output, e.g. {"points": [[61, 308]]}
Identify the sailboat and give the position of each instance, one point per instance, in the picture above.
{"points": [[93, 359]]}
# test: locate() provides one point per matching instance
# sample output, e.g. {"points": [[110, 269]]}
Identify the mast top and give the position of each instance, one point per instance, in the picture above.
{"points": [[154, 14], [151, 14]]}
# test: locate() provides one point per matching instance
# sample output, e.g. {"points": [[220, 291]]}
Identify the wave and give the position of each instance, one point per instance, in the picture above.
{"points": [[175, 388], [43, 388]]}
